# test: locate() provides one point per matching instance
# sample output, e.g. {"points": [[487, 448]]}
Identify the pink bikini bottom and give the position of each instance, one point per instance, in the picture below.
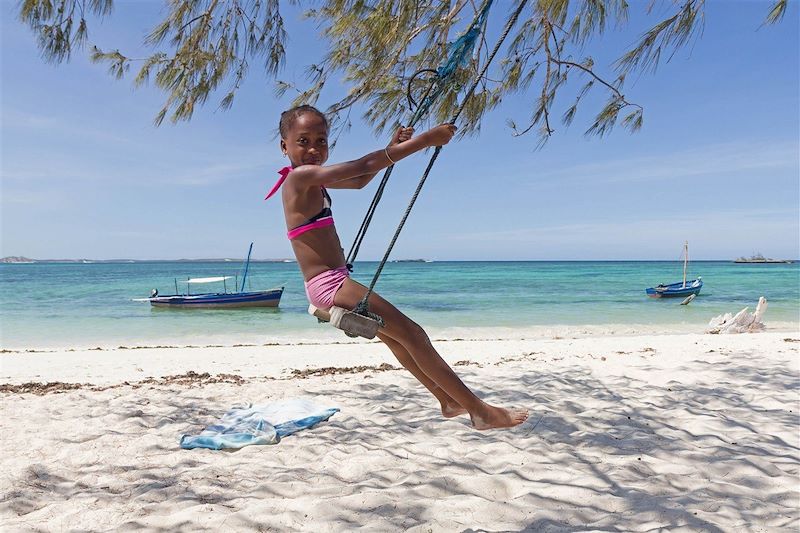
{"points": [[322, 288]]}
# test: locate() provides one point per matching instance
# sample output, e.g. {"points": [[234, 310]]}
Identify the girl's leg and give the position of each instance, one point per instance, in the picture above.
{"points": [[417, 344], [450, 407]]}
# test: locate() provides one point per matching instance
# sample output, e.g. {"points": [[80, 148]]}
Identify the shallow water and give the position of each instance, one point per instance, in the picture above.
{"points": [[46, 305]]}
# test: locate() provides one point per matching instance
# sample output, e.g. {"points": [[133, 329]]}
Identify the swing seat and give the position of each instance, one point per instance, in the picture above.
{"points": [[352, 323]]}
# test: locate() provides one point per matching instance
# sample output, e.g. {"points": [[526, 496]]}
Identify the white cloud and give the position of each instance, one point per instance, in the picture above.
{"points": [[712, 235], [17, 119], [215, 173], [22, 198], [710, 159]]}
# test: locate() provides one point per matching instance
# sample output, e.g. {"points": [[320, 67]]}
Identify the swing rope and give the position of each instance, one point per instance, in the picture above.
{"points": [[362, 307], [460, 51]]}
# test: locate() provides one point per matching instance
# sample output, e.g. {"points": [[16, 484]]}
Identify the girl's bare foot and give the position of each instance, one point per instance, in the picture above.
{"points": [[497, 417], [449, 410]]}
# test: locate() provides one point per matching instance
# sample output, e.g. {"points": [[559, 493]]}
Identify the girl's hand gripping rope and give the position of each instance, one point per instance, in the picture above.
{"points": [[401, 135], [440, 135]]}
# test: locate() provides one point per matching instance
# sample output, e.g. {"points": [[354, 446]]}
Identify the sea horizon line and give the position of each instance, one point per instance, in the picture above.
{"points": [[10, 260]]}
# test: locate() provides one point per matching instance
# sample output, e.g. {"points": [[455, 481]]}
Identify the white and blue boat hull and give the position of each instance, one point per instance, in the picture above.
{"points": [[674, 290], [270, 298]]}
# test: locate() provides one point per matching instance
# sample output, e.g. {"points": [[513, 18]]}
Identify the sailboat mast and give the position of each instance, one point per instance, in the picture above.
{"points": [[247, 265], [685, 260]]}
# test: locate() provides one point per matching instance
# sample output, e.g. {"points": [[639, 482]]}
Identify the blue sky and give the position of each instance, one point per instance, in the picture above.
{"points": [[85, 174]]}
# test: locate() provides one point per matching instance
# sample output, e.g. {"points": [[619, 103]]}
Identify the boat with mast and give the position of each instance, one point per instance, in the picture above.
{"points": [[681, 288], [217, 300]]}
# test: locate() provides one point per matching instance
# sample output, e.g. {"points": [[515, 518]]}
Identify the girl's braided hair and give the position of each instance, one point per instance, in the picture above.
{"points": [[289, 116]]}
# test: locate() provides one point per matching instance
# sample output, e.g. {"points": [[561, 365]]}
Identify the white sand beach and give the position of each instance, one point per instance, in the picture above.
{"points": [[678, 432]]}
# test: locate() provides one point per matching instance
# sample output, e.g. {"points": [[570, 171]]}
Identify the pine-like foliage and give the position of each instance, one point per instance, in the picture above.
{"points": [[376, 46]]}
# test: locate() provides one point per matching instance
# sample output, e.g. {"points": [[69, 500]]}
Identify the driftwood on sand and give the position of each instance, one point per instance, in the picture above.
{"points": [[742, 322]]}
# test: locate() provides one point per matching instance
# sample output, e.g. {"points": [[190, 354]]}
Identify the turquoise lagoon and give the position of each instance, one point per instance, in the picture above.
{"points": [[76, 305]]}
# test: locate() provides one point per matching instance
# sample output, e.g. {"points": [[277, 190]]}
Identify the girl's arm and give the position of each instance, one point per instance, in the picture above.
{"points": [[369, 165], [359, 182]]}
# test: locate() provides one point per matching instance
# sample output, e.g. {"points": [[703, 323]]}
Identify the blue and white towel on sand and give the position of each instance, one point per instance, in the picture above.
{"points": [[259, 424]]}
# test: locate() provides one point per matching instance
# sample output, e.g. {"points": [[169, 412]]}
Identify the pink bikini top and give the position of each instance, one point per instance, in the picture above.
{"points": [[322, 219]]}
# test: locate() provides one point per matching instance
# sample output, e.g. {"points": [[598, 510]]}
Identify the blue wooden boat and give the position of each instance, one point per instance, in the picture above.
{"points": [[676, 289], [681, 288], [218, 300]]}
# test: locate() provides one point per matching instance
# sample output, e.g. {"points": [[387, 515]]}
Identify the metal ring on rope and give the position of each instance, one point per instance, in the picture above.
{"points": [[411, 102]]}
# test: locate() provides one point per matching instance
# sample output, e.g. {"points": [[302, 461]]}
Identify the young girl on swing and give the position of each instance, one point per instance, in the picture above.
{"points": [[306, 205]]}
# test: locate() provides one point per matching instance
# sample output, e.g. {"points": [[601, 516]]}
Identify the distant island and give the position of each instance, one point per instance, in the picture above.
{"points": [[758, 258], [16, 259]]}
